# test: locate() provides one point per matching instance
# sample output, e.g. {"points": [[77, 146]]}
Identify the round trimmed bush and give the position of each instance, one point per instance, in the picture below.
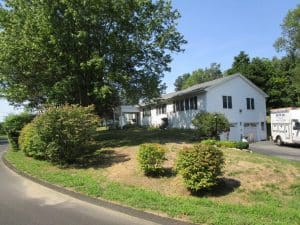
{"points": [[242, 145], [150, 158], [209, 125], [64, 133], [30, 142], [200, 166], [13, 125]]}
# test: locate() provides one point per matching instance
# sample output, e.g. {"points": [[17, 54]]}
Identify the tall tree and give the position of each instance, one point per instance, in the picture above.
{"points": [[240, 64], [290, 39], [179, 82], [277, 84], [289, 42], [275, 77], [86, 52], [198, 76]]}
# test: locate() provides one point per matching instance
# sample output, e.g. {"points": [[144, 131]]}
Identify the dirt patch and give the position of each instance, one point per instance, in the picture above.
{"points": [[129, 173], [241, 167]]}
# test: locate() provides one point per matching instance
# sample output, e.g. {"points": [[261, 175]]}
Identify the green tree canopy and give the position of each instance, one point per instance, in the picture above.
{"points": [[290, 43], [198, 76], [290, 36], [274, 76], [86, 52], [179, 82], [240, 64]]}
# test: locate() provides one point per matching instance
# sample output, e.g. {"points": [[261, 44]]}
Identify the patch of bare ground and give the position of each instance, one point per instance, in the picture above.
{"points": [[255, 172], [244, 172]]}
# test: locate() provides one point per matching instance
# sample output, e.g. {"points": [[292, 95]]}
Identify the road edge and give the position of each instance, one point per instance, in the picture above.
{"points": [[96, 201]]}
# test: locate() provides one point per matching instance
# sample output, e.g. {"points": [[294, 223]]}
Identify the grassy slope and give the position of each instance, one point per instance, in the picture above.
{"points": [[266, 206]]}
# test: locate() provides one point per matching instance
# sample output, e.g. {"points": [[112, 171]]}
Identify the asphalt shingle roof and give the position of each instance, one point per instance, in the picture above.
{"points": [[198, 87]]}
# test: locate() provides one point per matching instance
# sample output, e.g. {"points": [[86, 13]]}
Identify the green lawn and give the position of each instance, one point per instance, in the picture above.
{"points": [[262, 202], [131, 137]]}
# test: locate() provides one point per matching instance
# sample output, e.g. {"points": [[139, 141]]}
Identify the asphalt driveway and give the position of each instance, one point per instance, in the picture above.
{"points": [[269, 148], [23, 202]]}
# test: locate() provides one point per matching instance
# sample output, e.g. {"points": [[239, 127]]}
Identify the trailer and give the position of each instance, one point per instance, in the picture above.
{"points": [[285, 125]]}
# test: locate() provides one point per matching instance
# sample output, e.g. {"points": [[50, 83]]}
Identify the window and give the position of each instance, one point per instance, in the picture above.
{"points": [[177, 106], [250, 103], [227, 102], [185, 104], [262, 125], [146, 112], [164, 109], [193, 102], [181, 107], [161, 109], [250, 124]]}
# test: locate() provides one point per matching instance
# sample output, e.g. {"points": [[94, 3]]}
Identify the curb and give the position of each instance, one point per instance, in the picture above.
{"points": [[99, 202]]}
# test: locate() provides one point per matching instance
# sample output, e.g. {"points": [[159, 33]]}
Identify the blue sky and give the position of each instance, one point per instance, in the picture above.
{"points": [[217, 30]]}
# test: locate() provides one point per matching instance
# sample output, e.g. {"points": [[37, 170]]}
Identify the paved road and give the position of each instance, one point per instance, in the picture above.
{"points": [[23, 202], [269, 148]]}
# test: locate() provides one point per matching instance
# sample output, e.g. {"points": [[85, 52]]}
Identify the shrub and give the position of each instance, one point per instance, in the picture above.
{"points": [[164, 123], [30, 142], [242, 145], [2, 132], [209, 142], [151, 157], [200, 166], [210, 124], [65, 131], [226, 144], [13, 125]]}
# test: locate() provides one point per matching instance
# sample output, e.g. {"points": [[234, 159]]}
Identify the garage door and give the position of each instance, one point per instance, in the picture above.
{"points": [[234, 133], [250, 131]]}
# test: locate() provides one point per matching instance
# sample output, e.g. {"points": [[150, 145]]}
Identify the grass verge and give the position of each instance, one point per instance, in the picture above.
{"points": [[267, 209]]}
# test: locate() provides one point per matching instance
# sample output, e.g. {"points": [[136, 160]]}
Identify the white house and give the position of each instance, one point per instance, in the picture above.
{"points": [[242, 102]]}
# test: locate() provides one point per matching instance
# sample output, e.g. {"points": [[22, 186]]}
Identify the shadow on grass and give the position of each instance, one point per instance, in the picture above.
{"points": [[107, 139], [165, 172], [100, 159], [224, 187], [131, 137]]}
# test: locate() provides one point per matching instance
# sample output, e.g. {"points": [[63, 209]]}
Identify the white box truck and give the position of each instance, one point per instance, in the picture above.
{"points": [[285, 125]]}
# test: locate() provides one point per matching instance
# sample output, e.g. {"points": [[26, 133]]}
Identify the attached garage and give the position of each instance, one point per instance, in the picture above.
{"points": [[250, 131], [234, 133]]}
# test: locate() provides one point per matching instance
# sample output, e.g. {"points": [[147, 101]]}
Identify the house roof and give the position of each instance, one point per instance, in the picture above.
{"points": [[208, 85], [203, 87]]}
